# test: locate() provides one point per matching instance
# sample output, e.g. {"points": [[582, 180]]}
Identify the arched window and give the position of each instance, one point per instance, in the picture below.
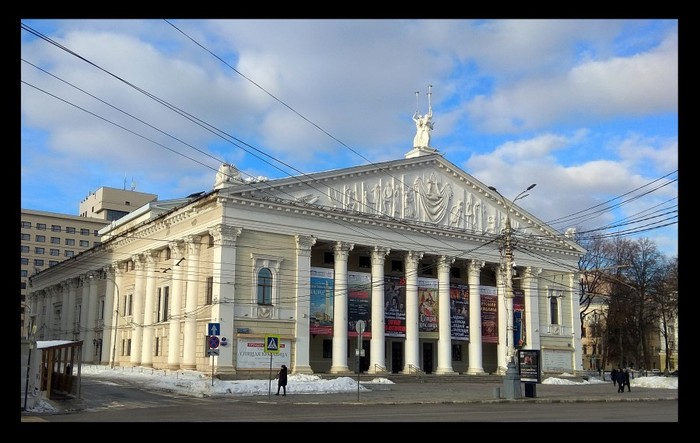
{"points": [[264, 287]]}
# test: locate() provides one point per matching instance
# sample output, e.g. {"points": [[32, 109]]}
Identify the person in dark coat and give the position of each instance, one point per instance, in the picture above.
{"points": [[626, 379], [620, 380], [613, 376], [282, 381]]}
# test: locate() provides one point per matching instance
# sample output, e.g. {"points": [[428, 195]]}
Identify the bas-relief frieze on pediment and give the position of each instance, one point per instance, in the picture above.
{"points": [[426, 196]]}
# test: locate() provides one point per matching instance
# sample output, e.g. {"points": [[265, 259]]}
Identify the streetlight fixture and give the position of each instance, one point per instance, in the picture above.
{"points": [[508, 251]]}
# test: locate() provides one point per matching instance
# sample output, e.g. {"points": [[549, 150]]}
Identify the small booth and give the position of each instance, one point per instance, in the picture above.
{"points": [[54, 370]]}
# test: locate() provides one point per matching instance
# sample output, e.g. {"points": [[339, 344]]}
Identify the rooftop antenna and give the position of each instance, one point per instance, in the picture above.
{"points": [[125, 181], [133, 184], [417, 92]]}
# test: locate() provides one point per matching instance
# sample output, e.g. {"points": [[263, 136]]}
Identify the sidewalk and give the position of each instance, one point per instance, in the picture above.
{"points": [[465, 392]]}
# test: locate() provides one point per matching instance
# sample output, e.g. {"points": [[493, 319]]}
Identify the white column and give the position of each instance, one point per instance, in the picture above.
{"points": [[137, 317], [475, 346], [89, 346], [65, 308], [377, 344], [83, 319], [224, 296], [340, 308], [302, 282], [444, 321], [412, 334], [189, 355], [148, 308], [175, 315], [502, 349], [70, 309], [108, 316], [532, 308], [120, 306]]}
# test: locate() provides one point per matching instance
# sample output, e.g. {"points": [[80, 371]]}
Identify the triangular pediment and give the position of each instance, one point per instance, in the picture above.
{"points": [[426, 190]]}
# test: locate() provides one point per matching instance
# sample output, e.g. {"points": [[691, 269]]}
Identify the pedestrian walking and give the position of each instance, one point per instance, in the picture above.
{"points": [[282, 381], [626, 381], [620, 380], [613, 376]]}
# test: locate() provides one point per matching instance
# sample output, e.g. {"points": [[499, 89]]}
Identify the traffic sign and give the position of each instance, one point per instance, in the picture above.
{"points": [[213, 342], [214, 329], [272, 344]]}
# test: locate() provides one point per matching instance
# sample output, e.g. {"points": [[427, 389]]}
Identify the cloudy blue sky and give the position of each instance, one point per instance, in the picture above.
{"points": [[587, 109]]}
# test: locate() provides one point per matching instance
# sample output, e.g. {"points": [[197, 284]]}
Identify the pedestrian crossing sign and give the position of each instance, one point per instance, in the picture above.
{"points": [[272, 344]]}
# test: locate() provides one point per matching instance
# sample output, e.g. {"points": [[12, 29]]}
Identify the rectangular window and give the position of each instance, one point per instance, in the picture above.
{"points": [[69, 253], [24, 248], [210, 290], [41, 239], [53, 263], [84, 244], [264, 287], [54, 252], [38, 262], [23, 273], [23, 285], [24, 260], [56, 240], [25, 237], [129, 305], [41, 226], [554, 307], [84, 231], [70, 230], [163, 300], [157, 346], [26, 225], [70, 242], [39, 250], [97, 243], [56, 228]]}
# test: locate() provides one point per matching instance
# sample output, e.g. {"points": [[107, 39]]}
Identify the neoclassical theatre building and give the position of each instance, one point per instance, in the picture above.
{"points": [[395, 267]]}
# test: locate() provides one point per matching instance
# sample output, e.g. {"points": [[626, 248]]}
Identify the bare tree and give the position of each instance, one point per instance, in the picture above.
{"points": [[665, 294]]}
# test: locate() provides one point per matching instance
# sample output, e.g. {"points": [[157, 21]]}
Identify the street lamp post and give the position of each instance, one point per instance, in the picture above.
{"points": [[508, 252]]}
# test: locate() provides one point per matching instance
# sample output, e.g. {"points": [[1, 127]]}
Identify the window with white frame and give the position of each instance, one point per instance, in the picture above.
{"points": [[266, 279], [265, 286], [554, 306]]}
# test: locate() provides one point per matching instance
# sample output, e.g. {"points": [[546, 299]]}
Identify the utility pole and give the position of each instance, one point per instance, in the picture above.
{"points": [[511, 383]]}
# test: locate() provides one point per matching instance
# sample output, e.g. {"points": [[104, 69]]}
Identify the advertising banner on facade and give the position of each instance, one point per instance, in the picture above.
{"points": [[459, 312], [321, 301], [395, 307], [428, 305], [359, 308], [489, 314], [251, 354], [519, 317]]}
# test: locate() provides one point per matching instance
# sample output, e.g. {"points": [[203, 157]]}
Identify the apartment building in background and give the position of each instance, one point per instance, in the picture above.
{"points": [[47, 238]]}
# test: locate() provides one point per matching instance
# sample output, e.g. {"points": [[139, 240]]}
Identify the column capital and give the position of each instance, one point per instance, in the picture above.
{"points": [[304, 244]]}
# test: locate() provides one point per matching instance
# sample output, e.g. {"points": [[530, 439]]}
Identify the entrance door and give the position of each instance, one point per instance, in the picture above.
{"points": [[396, 357], [428, 358]]}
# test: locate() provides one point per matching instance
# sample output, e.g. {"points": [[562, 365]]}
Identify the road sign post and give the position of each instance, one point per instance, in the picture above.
{"points": [[272, 346], [360, 328]]}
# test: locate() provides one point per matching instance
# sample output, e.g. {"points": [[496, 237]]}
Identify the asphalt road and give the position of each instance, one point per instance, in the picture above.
{"points": [[122, 401]]}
